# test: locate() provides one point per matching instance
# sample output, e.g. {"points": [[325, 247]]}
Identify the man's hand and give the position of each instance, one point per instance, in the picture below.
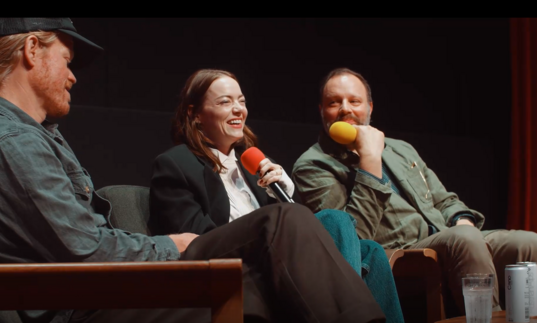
{"points": [[464, 221], [183, 240], [369, 145]]}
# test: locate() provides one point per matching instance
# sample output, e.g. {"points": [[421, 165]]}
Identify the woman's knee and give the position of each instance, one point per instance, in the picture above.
{"points": [[295, 214]]}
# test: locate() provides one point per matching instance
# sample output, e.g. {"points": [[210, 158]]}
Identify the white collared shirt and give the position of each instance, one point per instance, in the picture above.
{"points": [[241, 198]]}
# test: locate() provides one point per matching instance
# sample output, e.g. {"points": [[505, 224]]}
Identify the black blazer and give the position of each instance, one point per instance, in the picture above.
{"points": [[186, 195]]}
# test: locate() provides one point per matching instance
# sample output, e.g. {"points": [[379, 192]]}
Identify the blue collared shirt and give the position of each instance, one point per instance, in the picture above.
{"points": [[47, 202]]}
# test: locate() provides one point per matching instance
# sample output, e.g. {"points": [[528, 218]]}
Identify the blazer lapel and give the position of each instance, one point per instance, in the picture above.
{"points": [[216, 193]]}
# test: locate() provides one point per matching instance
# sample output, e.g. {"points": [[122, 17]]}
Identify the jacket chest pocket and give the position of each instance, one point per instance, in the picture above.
{"points": [[82, 186], [417, 181]]}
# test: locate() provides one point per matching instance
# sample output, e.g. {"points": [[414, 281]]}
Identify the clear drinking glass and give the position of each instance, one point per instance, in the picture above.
{"points": [[480, 275], [477, 290]]}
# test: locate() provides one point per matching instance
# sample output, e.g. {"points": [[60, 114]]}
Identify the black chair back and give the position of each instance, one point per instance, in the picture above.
{"points": [[130, 207]]}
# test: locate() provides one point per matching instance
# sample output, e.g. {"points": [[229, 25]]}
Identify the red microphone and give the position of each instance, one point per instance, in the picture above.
{"points": [[250, 160]]}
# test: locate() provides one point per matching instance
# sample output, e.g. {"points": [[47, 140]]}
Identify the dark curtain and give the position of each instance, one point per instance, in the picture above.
{"points": [[522, 209]]}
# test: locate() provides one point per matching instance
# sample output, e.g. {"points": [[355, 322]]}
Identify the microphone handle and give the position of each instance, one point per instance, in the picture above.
{"points": [[281, 195]]}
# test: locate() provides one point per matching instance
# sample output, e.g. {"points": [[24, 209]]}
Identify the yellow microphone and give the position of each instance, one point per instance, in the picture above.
{"points": [[342, 132]]}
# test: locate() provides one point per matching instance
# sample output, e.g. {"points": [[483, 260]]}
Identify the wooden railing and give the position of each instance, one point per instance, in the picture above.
{"points": [[216, 284]]}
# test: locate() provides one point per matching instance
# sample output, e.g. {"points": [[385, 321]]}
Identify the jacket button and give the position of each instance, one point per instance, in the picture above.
{"points": [[87, 189]]}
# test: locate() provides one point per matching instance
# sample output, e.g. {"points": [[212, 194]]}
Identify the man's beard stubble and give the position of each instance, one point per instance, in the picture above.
{"points": [[352, 117], [358, 121]]}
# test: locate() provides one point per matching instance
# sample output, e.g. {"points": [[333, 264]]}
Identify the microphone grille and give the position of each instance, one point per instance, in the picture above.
{"points": [[342, 132], [251, 158]]}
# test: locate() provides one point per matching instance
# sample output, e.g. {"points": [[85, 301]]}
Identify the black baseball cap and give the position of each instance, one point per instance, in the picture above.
{"points": [[85, 50]]}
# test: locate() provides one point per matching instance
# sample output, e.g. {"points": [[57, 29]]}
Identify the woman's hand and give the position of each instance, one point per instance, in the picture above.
{"points": [[269, 173]]}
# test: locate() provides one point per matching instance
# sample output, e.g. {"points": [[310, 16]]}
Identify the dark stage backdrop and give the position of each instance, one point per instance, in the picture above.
{"points": [[430, 77]]}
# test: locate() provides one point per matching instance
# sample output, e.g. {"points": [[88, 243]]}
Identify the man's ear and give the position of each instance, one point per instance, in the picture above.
{"points": [[30, 51], [370, 107]]}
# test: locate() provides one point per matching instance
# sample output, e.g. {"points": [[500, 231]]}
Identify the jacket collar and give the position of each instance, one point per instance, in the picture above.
{"points": [[337, 151], [14, 113], [216, 191]]}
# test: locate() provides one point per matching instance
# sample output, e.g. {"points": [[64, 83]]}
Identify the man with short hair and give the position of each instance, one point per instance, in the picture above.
{"points": [[397, 200], [292, 270]]}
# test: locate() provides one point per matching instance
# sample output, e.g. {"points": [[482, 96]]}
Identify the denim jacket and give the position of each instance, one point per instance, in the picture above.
{"points": [[48, 202]]}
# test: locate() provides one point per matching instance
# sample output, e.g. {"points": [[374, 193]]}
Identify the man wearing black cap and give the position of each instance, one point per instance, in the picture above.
{"points": [[47, 204]]}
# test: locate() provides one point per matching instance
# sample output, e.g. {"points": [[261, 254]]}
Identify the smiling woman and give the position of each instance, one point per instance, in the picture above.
{"points": [[209, 99], [210, 125], [200, 185], [224, 113]]}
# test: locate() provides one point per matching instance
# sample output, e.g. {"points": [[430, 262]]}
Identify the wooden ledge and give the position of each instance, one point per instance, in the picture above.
{"points": [[118, 285]]}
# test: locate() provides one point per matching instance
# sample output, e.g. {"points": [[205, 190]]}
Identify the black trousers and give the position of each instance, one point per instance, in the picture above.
{"points": [[292, 272]]}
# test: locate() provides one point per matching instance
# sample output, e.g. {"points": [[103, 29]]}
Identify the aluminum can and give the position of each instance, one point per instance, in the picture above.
{"points": [[517, 302], [532, 285]]}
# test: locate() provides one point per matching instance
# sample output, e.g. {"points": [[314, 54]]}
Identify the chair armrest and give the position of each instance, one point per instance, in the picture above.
{"points": [[393, 255], [117, 285], [418, 279], [420, 253], [417, 262]]}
